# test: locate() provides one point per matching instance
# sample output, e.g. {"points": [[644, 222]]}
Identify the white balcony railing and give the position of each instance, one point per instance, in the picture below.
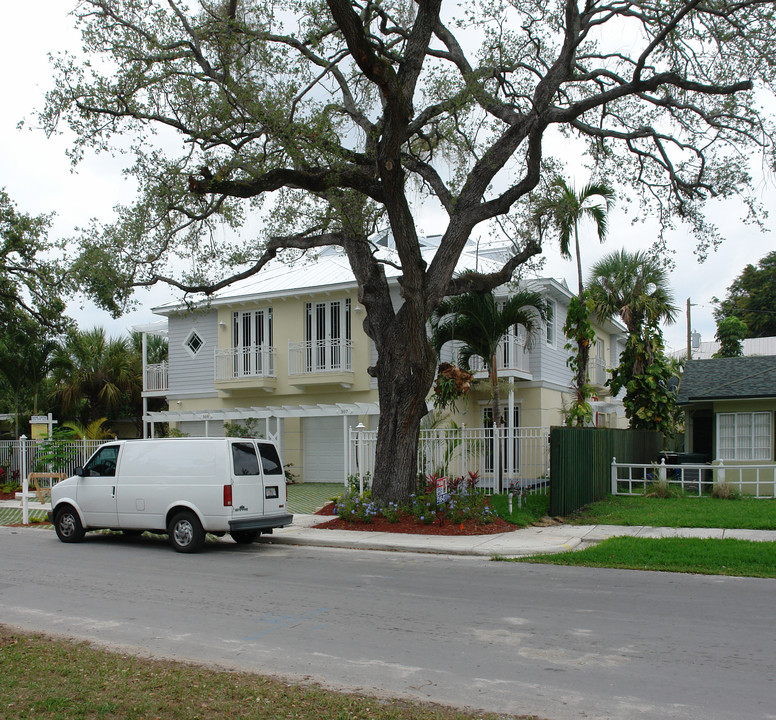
{"points": [[320, 356], [511, 355], [156, 377], [253, 361], [596, 372]]}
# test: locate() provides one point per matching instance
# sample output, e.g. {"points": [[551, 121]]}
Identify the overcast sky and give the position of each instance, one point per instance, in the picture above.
{"points": [[37, 175]]}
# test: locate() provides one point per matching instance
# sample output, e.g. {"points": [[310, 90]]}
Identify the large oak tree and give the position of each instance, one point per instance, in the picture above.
{"points": [[33, 282], [751, 298], [330, 118]]}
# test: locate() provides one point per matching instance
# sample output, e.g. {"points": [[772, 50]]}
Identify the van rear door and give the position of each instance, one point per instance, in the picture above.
{"points": [[274, 480], [247, 489]]}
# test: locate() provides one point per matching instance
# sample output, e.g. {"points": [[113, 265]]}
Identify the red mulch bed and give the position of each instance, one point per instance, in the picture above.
{"points": [[408, 524]]}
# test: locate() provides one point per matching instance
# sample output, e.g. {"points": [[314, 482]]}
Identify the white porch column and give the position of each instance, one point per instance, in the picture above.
{"points": [[144, 346], [145, 413], [512, 430], [346, 448], [25, 480]]}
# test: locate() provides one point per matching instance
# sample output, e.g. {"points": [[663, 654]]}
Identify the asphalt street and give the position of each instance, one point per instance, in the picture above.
{"points": [[561, 643]]}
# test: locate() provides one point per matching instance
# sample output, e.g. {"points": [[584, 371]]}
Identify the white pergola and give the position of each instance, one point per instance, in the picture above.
{"points": [[265, 412], [272, 416]]}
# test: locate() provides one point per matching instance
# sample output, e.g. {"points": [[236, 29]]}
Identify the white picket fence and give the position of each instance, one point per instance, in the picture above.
{"points": [[505, 459], [757, 481]]}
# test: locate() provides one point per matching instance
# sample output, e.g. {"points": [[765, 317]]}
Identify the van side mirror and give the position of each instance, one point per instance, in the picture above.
{"points": [[79, 471]]}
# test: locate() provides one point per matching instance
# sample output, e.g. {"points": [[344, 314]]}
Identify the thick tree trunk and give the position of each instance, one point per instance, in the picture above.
{"points": [[405, 373], [583, 356]]}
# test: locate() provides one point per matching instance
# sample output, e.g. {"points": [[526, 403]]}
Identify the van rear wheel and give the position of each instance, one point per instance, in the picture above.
{"points": [[244, 537], [186, 533], [68, 525]]}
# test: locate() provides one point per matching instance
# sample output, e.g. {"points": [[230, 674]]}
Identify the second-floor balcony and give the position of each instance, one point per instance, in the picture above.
{"points": [[597, 372], [510, 356], [316, 361], [251, 365], [156, 378]]}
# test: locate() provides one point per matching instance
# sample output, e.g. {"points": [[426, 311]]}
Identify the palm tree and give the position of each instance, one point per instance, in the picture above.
{"points": [[93, 375], [95, 430], [567, 209], [478, 322], [633, 285]]}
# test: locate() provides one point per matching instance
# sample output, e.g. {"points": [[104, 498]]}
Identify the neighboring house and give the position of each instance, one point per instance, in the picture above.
{"points": [[703, 350], [287, 347], [729, 407]]}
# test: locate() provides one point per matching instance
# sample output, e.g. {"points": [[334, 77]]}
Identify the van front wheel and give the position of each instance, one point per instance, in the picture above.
{"points": [[244, 537], [68, 525], [186, 533]]}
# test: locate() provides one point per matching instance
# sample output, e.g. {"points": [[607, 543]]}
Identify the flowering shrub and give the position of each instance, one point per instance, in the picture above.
{"points": [[392, 511], [437, 500], [354, 507], [423, 506], [458, 502]]}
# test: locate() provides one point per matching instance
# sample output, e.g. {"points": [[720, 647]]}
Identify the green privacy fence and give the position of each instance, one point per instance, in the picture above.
{"points": [[581, 461]]}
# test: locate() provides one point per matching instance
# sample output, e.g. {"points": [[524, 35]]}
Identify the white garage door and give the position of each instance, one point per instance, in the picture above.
{"points": [[324, 459]]}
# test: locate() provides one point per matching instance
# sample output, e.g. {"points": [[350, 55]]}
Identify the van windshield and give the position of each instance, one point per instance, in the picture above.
{"points": [[244, 459]]}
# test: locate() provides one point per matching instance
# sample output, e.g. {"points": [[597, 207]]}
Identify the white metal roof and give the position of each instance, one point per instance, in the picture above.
{"points": [[326, 271]]}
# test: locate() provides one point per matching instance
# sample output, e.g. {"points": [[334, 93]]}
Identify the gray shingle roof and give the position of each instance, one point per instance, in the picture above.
{"points": [[725, 378]]}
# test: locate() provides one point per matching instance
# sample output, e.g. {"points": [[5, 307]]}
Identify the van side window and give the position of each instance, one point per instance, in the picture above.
{"points": [[244, 459], [270, 462], [103, 462]]}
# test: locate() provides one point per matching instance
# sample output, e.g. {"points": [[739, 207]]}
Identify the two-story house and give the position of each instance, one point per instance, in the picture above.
{"points": [[287, 348]]}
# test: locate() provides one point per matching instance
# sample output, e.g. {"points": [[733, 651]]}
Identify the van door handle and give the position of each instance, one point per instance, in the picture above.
{"points": [[114, 491]]}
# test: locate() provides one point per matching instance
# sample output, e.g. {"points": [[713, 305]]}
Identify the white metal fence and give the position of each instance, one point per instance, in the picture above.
{"points": [[757, 481], [21, 457], [505, 459]]}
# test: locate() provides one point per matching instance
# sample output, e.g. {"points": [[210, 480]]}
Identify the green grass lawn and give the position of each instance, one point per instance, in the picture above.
{"points": [[708, 512], [741, 558], [68, 680], [533, 508]]}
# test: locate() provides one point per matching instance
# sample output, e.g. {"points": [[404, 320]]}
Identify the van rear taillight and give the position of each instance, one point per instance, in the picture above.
{"points": [[227, 496]]}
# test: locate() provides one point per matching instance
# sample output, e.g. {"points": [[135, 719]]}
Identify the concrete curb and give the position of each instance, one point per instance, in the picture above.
{"points": [[523, 542]]}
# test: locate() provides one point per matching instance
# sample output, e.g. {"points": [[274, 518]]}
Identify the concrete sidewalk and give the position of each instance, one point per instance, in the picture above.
{"points": [[517, 543]]}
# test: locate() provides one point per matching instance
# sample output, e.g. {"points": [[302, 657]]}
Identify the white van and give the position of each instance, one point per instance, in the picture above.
{"points": [[185, 487]]}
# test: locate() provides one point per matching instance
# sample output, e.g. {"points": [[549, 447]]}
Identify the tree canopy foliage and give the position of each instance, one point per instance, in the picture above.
{"points": [[32, 283], [331, 118], [25, 359], [752, 299], [730, 334]]}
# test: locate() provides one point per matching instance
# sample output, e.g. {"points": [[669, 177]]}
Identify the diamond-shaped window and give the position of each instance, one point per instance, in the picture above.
{"points": [[194, 342]]}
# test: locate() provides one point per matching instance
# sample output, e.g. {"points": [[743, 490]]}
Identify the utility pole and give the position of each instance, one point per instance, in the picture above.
{"points": [[689, 332]]}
